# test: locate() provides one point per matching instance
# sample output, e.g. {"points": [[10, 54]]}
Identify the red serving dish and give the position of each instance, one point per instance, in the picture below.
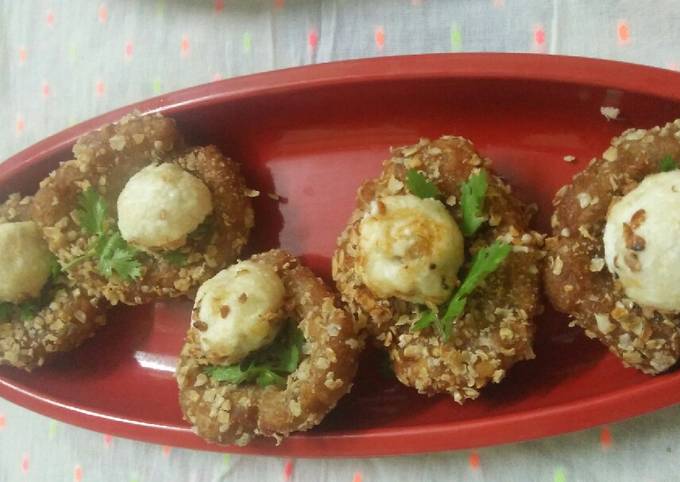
{"points": [[312, 135]]}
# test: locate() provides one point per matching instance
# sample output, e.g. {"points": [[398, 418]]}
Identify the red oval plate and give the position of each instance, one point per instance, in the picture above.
{"points": [[311, 135]]}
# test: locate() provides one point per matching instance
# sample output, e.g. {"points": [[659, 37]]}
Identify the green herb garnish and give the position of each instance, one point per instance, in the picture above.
{"points": [[473, 192], [486, 261], [270, 365], [420, 186], [667, 163], [175, 258], [114, 255]]}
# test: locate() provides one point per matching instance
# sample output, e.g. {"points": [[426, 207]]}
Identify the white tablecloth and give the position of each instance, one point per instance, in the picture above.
{"points": [[65, 61]]}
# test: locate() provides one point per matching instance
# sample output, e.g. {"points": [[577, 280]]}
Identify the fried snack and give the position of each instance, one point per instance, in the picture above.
{"points": [[105, 161], [32, 333], [226, 412], [496, 329], [577, 279]]}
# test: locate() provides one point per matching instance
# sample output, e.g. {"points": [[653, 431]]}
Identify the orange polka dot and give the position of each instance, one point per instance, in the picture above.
{"points": [[20, 124], [379, 37], [605, 438], [2, 421], [217, 76], [357, 477], [473, 460], [108, 439], [49, 17], [219, 5], [279, 3], [22, 55], [623, 32], [45, 89], [499, 3], [184, 46], [166, 450], [103, 13], [77, 473]]}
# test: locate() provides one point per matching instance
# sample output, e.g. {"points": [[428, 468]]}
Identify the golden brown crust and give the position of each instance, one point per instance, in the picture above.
{"points": [[497, 329], [577, 281], [106, 159], [227, 413], [69, 319]]}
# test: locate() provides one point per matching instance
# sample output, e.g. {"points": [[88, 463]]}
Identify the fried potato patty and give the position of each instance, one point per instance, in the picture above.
{"points": [[105, 160], [69, 317], [496, 329], [577, 281], [227, 413]]}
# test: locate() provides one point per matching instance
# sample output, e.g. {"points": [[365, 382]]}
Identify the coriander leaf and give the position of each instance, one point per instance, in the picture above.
{"points": [[268, 377], [92, 211], [28, 310], [420, 186], [175, 258], [667, 163], [231, 374], [486, 261], [270, 365], [116, 256], [473, 192], [425, 320], [55, 268], [6, 310]]}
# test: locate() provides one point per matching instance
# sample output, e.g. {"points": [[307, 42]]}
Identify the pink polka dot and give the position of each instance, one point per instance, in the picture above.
{"points": [[129, 50], [539, 36], [45, 89], [313, 39], [623, 32], [219, 5], [100, 88], [166, 450], [49, 18], [279, 3], [103, 13], [357, 477], [499, 3], [184, 46], [379, 35], [22, 55], [2, 421], [288, 470], [77, 473], [25, 462], [605, 438], [217, 76], [108, 439]]}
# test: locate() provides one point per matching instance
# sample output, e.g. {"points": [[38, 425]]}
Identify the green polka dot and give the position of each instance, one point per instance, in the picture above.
{"points": [[226, 459], [160, 7], [72, 53], [247, 42], [156, 86], [134, 477], [560, 475], [52, 430], [456, 38]]}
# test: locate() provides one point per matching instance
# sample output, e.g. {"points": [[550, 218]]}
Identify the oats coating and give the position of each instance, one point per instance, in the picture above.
{"points": [[496, 329], [577, 280], [69, 318], [105, 159], [233, 414]]}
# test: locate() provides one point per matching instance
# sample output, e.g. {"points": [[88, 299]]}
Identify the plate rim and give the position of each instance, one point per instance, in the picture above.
{"points": [[651, 395]]}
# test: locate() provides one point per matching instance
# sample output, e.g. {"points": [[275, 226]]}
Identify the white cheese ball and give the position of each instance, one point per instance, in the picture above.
{"points": [[160, 205], [24, 261], [641, 242], [411, 249], [238, 311]]}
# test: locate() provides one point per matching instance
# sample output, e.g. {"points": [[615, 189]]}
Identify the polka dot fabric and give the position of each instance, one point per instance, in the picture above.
{"points": [[64, 62]]}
